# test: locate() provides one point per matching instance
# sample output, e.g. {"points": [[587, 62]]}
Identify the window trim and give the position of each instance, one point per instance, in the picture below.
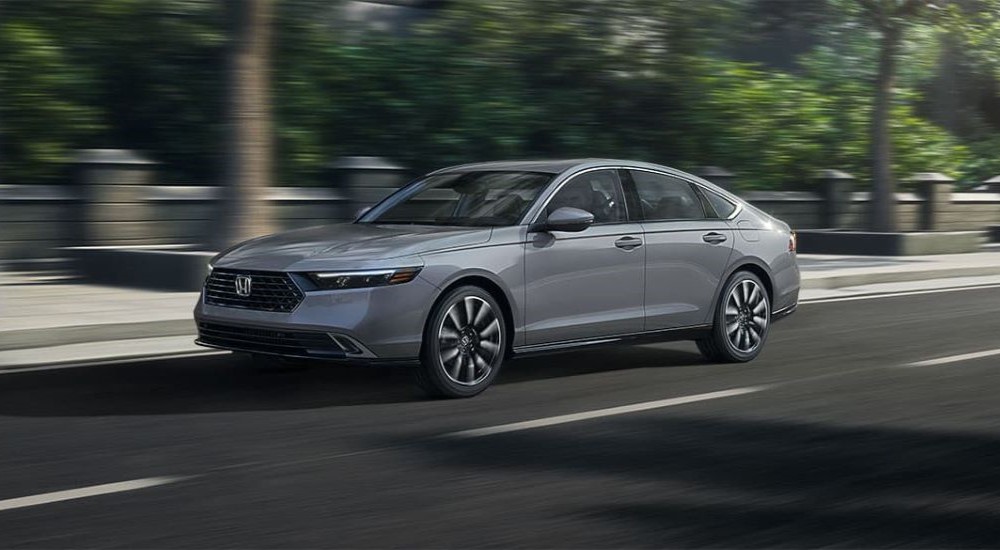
{"points": [[543, 203], [698, 189], [621, 187]]}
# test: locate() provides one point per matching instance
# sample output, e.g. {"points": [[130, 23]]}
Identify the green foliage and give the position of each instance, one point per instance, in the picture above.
{"points": [[775, 129], [477, 80], [139, 74], [41, 103]]}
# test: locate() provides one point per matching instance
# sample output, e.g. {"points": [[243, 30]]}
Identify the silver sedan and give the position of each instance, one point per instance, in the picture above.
{"points": [[474, 264]]}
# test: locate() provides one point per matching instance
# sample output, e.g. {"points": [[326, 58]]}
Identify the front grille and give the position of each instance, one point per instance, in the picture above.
{"points": [[267, 340], [269, 291]]}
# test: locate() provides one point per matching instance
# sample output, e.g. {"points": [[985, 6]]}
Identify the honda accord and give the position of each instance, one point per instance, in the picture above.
{"points": [[471, 265]]}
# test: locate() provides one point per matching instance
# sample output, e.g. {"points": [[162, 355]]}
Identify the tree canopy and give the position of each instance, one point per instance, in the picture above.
{"points": [[770, 89]]}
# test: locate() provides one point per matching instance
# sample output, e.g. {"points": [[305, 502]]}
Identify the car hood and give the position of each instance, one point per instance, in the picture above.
{"points": [[346, 245]]}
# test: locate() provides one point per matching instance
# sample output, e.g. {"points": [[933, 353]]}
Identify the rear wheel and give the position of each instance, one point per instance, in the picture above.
{"points": [[742, 321], [463, 345]]}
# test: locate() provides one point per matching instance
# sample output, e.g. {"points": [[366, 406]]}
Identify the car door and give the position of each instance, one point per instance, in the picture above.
{"points": [[687, 250], [587, 284]]}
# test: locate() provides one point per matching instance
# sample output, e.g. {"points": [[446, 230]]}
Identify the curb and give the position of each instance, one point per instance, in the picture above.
{"points": [[80, 334], [102, 352], [830, 282]]}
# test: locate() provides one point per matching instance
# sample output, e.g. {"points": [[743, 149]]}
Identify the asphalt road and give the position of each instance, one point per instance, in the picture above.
{"points": [[832, 438]]}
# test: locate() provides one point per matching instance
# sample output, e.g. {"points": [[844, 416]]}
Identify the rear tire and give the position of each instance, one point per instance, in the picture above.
{"points": [[742, 321], [464, 344]]}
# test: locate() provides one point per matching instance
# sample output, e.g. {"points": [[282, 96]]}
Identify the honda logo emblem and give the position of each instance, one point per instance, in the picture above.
{"points": [[243, 285]]}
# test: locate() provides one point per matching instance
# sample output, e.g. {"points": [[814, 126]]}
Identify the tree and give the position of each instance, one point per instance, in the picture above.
{"points": [[889, 18], [245, 211]]}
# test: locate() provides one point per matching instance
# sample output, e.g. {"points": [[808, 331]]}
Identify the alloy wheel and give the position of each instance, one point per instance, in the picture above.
{"points": [[469, 341], [747, 315]]}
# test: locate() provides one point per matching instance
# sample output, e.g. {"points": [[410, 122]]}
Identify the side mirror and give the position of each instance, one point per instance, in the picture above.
{"points": [[566, 219]]}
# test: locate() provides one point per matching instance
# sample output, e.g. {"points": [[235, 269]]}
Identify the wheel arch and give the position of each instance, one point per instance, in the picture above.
{"points": [[754, 265]]}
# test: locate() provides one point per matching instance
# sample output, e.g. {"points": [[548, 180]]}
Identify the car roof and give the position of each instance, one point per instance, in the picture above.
{"points": [[550, 166]]}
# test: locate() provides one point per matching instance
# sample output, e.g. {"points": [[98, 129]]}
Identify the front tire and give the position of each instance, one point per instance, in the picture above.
{"points": [[464, 344], [742, 321]]}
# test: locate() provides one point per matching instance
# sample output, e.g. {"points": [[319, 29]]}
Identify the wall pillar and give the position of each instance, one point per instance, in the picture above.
{"points": [[936, 190], [114, 208], [993, 184], [360, 182], [835, 187]]}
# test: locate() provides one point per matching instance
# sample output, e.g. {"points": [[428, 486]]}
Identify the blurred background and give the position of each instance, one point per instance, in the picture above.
{"points": [[252, 94], [139, 137], [772, 89]]}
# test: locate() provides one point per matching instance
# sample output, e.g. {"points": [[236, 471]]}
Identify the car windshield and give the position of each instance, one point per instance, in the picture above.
{"points": [[483, 198]]}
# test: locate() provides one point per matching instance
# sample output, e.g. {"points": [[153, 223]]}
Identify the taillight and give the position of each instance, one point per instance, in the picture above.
{"points": [[793, 242]]}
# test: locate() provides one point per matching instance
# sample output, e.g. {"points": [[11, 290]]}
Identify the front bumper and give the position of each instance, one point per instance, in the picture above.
{"points": [[366, 324]]}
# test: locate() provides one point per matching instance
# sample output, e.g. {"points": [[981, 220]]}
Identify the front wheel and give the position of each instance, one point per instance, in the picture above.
{"points": [[463, 346], [742, 321]]}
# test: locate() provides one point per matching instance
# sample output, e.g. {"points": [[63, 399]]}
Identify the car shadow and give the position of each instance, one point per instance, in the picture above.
{"points": [[226, 383], [688, 481]]}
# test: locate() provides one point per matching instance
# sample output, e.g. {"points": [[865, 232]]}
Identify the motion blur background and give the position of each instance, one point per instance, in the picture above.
{"points": [[138, 137], [194, 124], [771, 89]]}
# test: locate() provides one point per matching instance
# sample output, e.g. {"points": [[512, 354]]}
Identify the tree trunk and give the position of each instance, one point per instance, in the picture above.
{"points": [[245, 213], [883, 206]]}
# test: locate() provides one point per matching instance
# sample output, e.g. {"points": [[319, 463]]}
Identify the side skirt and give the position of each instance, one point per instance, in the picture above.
{"points": [[785, 312], [666, 335]]}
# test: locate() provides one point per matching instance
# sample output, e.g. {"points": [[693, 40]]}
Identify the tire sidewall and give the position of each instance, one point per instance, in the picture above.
{"points": [[721, 338], [430, 357]]}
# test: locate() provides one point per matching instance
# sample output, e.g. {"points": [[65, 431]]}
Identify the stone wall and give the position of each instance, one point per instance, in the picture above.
{"points": [[36, 221]]}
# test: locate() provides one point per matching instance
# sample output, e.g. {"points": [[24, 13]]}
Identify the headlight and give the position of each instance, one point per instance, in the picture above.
{"points": [[363, 279]]}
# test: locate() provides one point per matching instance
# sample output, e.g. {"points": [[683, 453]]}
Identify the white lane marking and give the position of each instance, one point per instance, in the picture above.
{"points": [[599, 413], [893, 294], [84, 492], [955, 358]]}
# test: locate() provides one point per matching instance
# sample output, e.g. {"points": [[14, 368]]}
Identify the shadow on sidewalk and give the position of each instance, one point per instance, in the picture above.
{"points": [[228, 383]]}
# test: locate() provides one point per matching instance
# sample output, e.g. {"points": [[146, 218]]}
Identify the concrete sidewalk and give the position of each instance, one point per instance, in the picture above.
{"points": [[47, 319]]}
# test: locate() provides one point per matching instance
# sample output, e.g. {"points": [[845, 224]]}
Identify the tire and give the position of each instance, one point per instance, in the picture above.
{"points": [[460, 358], [742, 321]]}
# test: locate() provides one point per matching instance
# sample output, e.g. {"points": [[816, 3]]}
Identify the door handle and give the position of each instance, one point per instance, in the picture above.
{"points": [[714, 238], [628, 243]]}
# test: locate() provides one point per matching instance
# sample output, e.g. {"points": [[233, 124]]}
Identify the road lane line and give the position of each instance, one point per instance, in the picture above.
{"points": [[84, 492], [955, 358], [880, 295], [600, 413]]}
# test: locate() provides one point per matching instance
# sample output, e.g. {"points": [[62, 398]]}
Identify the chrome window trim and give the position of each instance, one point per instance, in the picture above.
{"points": [[534, 213]]}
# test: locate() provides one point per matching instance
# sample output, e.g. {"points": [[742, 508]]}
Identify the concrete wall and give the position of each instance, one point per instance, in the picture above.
{"points": [[36, 220], [803, 210]]}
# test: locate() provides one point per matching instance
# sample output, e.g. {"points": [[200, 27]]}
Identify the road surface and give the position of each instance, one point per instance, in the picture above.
{"points": [[872, 422]]}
